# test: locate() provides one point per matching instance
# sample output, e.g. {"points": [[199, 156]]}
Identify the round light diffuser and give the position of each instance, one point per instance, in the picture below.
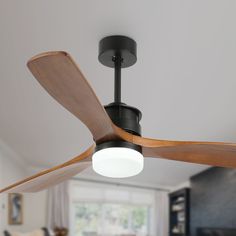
{"points": [[117, 161]]}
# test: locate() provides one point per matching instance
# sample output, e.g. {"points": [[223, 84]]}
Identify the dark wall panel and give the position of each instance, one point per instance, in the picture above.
{"points": [[213, 199]]}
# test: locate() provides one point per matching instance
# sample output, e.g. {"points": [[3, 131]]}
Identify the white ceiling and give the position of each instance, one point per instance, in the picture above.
{"points": [[184, 81]]}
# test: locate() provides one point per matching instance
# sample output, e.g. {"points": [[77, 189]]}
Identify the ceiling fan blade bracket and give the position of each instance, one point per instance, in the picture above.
{"points": [[125, 117]]}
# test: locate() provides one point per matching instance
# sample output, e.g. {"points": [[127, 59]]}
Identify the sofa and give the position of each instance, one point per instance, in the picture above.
{"points": [[41, 232]]}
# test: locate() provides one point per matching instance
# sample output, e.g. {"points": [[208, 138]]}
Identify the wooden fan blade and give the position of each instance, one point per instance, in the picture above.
{"points": [[63, 80], [214, 154], [208, 153], [53, 176]]}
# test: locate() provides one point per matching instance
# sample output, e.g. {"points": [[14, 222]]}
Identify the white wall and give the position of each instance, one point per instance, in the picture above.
{"points": [[13, 168]]}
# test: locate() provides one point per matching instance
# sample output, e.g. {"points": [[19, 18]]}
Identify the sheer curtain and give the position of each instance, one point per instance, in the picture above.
{"points": [[161, 213], [58, 206]]}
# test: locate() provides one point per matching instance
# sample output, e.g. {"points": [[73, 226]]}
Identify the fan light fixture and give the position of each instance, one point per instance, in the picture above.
{"points": [[117, 159], [58, 73]]}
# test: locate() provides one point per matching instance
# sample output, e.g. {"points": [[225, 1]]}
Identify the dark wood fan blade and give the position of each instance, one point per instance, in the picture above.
{"points": [[63, 80], [208, 153], [53, 176]]}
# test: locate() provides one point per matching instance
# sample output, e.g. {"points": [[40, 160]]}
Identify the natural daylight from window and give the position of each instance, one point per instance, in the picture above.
{"points": [[94, 219]]}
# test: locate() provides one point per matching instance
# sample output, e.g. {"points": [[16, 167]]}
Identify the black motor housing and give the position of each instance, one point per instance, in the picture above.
{"points": [[125, 117]]}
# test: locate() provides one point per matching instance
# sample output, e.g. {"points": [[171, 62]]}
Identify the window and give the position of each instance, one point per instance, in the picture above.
{"points": [[110, 210], [92, 219]]}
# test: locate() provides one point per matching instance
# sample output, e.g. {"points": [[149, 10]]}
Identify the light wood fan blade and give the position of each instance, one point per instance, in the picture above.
{"points": [[53, 176], [208, 153], [63, 80]]}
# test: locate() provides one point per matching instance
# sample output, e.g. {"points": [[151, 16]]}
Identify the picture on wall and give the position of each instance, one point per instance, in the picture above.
{"points": [[15, 208]]}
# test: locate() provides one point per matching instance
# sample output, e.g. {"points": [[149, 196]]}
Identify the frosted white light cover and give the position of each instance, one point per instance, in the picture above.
{"points": [[118, 162]]}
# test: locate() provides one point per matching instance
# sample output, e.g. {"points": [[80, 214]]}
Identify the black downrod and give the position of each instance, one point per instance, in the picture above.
{"points": [[119, 52], [117, 88]]}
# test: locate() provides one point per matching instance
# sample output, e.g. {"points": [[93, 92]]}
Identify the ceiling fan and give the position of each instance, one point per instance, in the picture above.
{"points": [[118, 148]]}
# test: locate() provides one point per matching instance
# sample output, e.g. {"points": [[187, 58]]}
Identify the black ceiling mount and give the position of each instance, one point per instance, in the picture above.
{"points": [[117, 46], [117, 52], [120, 52]]}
